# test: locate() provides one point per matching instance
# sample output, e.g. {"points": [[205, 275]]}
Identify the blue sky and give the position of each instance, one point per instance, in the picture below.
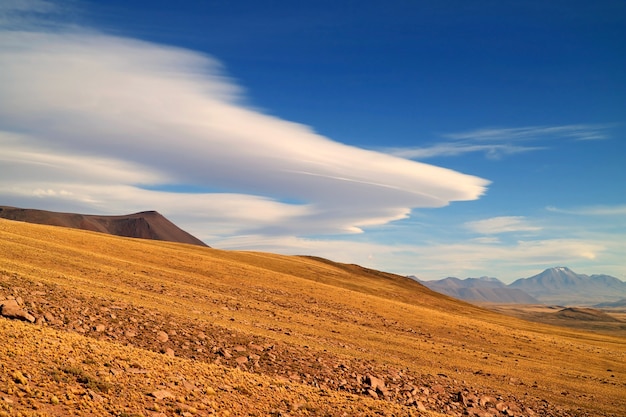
{"points": [[446, 138]]}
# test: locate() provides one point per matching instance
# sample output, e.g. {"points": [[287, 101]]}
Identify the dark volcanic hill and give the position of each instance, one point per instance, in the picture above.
{"points": [[561, 285], [482, 289], [144, 225], [586, 314]]}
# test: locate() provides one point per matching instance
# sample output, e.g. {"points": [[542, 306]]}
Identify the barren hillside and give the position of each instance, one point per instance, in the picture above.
{"points": [[139, 327], [143, 225]]}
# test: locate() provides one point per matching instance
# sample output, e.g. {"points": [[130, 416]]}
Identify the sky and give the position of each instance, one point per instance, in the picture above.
{"points": [[426, 138]]}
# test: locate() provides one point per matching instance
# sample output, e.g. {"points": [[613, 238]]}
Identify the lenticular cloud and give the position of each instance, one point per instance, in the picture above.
{"points": [[137, 115]]}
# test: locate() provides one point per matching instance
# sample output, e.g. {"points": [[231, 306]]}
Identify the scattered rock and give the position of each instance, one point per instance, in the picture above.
{"points": [[287, 364]]}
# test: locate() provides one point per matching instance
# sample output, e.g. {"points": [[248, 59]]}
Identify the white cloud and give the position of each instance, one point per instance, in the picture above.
{"points": [[99, 122], [502, 224]]}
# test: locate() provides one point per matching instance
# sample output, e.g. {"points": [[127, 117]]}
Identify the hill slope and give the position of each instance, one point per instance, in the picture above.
{"points": [[144, 225], [127, 326]]}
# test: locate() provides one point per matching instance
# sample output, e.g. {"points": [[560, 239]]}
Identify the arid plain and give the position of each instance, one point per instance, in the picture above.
{"points": [[130, 327]]}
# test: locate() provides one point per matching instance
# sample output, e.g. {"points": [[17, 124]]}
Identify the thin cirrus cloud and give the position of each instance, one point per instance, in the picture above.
{"points": [[109, 124], [502, 224], [496, 143], [618, 210]]}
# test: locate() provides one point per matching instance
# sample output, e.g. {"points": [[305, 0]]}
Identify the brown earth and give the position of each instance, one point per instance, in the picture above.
{"points": [[604, 321], [144, 225], [134, 327]]}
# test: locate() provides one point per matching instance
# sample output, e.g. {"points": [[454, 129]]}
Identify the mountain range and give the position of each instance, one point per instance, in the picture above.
{"points": [[144, 225], [558, 285], [482, 289]]}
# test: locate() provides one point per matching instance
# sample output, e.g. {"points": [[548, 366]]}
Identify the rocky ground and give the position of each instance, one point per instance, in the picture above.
{"points": [[49, 306]]}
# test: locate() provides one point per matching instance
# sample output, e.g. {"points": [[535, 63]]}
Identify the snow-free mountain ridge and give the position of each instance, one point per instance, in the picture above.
{"points": [[559, 285], [483, 289]]}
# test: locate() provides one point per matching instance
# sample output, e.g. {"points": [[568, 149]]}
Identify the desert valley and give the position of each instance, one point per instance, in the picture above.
{"points": [[97, 324], [337, 209]]}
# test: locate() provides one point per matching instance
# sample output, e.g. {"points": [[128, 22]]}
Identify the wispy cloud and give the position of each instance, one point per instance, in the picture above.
{"points": [[618, 210], [502, 224], [492, 151], [103, 124], [534, 133], [496, 143]]}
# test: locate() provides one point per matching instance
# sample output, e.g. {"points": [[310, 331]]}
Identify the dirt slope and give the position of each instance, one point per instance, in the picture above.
{"points": [[139, 327], [144, 225]]}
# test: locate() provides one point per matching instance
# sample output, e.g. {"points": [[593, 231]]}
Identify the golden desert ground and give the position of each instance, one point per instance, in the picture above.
{"points": [[132, 327]]}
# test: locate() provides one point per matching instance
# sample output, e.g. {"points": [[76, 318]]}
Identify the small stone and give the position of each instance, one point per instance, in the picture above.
{"points": [[94, 396], [485, 399], [54, 400], [372, 393], [161, 394], [19, 378], [241, 360], [460, 398], [169, 352], [224, 353], [162, 337], [11, 310], [375, 383], [501, 407], [100, 328]]}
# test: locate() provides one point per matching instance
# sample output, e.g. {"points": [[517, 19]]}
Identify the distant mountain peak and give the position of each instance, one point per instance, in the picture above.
{"points": [[488, 279], [561, 285]]}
